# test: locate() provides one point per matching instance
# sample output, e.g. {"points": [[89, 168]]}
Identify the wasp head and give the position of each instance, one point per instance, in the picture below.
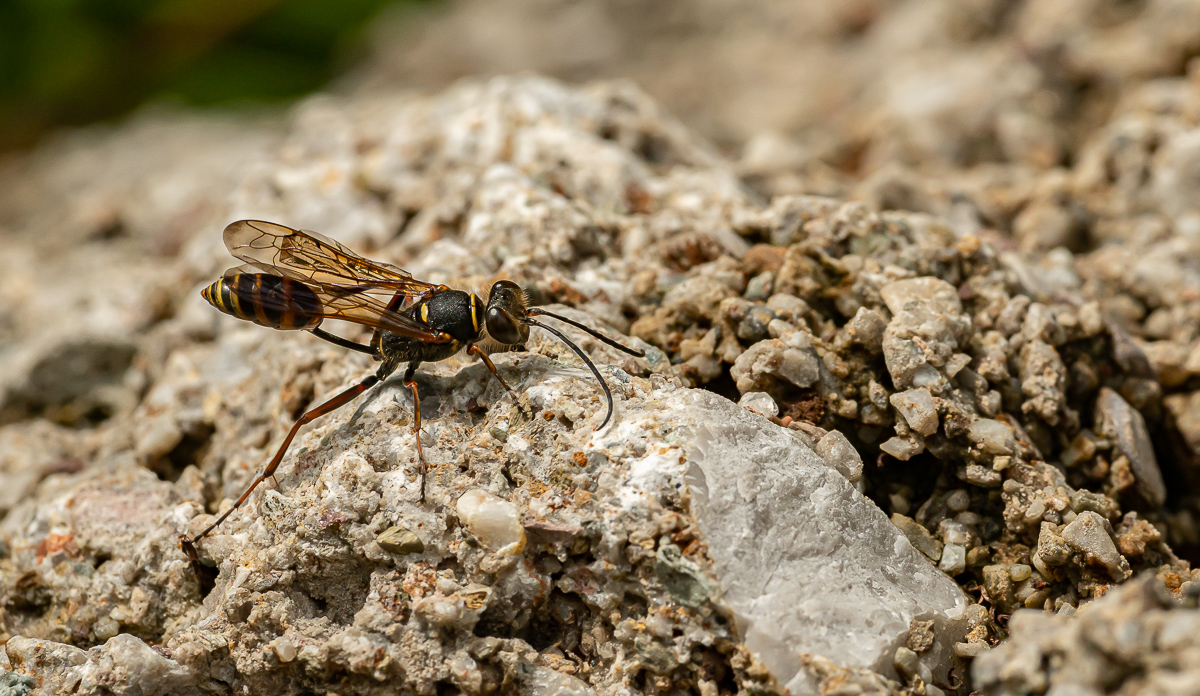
{"points": [[507, 311]]}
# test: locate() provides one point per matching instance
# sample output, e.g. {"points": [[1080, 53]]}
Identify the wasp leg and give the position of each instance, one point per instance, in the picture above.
{"points": [[416, 430], [269, 472], [492, 368], [344, 343]]}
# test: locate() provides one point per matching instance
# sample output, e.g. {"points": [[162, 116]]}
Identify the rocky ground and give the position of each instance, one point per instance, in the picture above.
{"points": [[921, 357]]}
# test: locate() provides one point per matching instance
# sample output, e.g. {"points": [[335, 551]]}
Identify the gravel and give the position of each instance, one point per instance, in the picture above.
{"points": [[923, 341]]}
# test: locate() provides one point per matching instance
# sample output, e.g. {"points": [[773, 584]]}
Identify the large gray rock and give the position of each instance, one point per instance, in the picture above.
{"points": [[806, 562]]}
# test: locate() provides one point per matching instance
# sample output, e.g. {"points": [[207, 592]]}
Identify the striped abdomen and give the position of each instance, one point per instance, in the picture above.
{"points": [[266, 300]]}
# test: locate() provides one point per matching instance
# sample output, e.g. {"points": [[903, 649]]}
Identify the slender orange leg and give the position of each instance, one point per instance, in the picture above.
{"points": [[416, 430], [269, 472], [474, 349]]}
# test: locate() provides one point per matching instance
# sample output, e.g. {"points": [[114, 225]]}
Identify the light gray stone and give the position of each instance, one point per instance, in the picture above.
{"points": [[760, 403], [918, 410], [1088, 534], [992, 437], [924, 332], [918, 536], [841, 455], [903, 448], [1117, 419]]}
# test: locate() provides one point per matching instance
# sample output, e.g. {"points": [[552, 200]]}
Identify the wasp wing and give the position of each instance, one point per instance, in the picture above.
{"points": [[317, 260], [359, 307], [267, 297], [244, 269]]}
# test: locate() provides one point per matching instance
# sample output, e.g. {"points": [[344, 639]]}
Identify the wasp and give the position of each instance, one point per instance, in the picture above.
{"points": [[293, 280]]}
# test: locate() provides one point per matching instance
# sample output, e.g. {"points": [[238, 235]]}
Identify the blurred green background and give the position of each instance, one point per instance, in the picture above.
{"points": [[69, 62]]}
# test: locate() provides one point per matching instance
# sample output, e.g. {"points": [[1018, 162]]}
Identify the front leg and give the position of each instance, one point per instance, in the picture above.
{"points": [[409, 382], [475, 350]]}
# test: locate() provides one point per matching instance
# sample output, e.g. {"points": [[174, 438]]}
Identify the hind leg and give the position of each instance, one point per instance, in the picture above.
{"points": [[268, 472]]}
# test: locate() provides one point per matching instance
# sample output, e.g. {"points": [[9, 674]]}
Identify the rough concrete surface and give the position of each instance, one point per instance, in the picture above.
{"points": [[938, 372]]}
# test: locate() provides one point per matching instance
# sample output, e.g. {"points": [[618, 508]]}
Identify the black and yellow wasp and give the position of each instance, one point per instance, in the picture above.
{"points": [[294, 280]]}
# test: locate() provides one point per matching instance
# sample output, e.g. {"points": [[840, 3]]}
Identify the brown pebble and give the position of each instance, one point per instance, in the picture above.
{"points": [[920, 636], [763, 257]]}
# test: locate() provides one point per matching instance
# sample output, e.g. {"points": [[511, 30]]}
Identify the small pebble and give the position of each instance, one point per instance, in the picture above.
{"points": [[755, 325], [992, 436], [958, 500], [917, 408], [978, 555], [970, 650], [760, 403], [1035, 511], [954, 559], [867, 327], [920, 537], [1019, 572], [400, 540], [968, 518], [759, 287], [953, 532], [493, 520], [907, 663], [1088, 535], [1052, 549], [981, 476], [105, 627], [1082, 500], [926, 376], [835, 449], [956, 363], [1037, 598], [920, 636], [990, 403], [284, 649], [902, 448]]}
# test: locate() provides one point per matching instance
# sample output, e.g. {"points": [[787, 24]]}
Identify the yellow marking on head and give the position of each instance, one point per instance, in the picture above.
{"points": [[425, 312]]}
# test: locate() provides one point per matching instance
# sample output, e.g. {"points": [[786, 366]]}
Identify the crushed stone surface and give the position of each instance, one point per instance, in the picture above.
{"points": [[918, 414]]}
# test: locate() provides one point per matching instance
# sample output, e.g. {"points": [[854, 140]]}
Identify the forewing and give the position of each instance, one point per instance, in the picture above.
{"points": [[360, 308], [316, 260]]}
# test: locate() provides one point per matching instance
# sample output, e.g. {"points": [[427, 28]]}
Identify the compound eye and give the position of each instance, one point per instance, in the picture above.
{"points": [[504, 286], [501, 327]]}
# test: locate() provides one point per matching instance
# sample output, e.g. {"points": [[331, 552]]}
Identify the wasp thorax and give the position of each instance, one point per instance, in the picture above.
{"points": [[506, 312], [453, 311]]}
